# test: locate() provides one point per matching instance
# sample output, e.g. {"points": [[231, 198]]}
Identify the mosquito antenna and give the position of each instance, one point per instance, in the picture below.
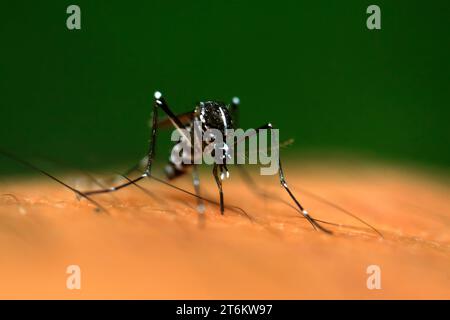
{"points": [[32, 166]]}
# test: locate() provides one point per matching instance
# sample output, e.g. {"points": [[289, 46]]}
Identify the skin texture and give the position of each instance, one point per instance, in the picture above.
{"points": [[157, 247]]}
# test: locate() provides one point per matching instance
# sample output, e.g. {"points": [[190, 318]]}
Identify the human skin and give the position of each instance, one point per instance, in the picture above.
{"points": [[156, 246]]}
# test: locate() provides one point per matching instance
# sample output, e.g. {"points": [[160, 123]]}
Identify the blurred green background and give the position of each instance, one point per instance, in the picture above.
{"points": [[310, 67]]}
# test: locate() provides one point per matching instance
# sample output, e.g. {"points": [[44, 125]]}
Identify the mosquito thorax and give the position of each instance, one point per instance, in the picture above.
{"points": [[214, 115]]}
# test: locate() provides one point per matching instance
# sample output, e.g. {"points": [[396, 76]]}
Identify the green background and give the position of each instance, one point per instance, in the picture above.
{"points": [[310, 67]]}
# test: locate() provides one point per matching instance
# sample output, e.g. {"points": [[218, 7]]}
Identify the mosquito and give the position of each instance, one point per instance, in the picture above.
{"points": [[211, 115]]}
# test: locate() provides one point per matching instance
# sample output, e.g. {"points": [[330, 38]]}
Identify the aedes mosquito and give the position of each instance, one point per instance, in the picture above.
{"points": [[211, 115], [207, 115]]}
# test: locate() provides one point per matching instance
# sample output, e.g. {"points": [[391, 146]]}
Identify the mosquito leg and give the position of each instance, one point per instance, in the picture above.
{"points": [[255, 188], [304, 212], [159, 103], [234, 109], [32, 166], [196, 182], [219, 185], [137, 167], [284, 184]]}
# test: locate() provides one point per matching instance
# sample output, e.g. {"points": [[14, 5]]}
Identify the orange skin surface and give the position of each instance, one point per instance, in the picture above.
{"points": [[157, 247]]}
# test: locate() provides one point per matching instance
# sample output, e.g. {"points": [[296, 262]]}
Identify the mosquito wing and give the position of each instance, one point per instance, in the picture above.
{"points": [[185, 118]]}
